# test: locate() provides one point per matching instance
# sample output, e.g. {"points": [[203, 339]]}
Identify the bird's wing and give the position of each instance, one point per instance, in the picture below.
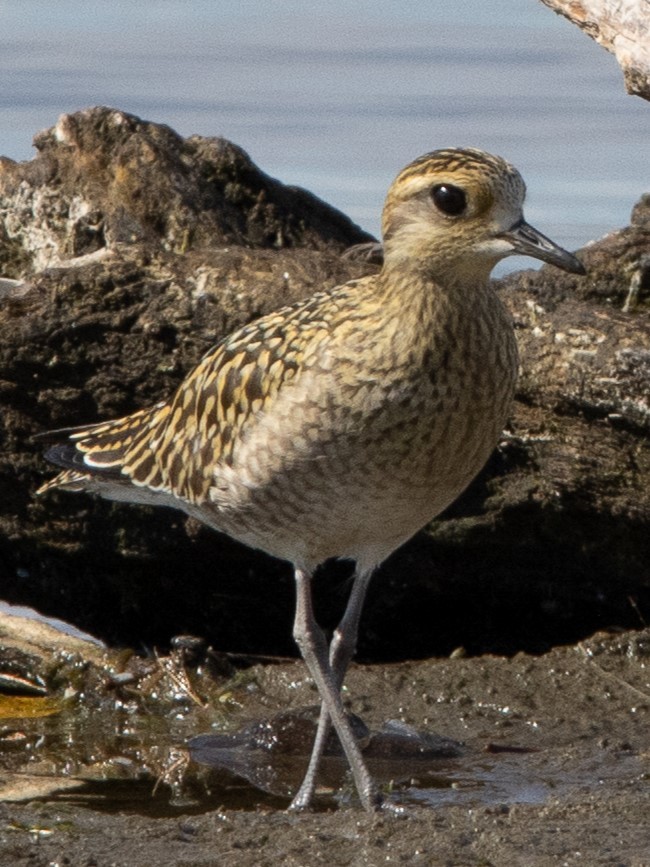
{"points": [[174, 446]]}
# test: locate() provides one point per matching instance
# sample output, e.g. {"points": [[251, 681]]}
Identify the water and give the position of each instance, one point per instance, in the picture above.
{"points": [[337, 98]]}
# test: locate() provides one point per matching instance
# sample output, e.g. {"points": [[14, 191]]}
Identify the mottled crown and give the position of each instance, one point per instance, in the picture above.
{"points": [[459, 163]]}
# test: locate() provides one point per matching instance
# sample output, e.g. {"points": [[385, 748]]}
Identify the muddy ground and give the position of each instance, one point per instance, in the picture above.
{"points": [[549, 763]]}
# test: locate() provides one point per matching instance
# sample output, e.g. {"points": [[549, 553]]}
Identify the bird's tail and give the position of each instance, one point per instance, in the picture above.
{"points": [[93, 453]]}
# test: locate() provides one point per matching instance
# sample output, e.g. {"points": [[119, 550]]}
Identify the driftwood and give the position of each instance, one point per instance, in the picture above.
{"points": [[622, 28], [130, 250]]}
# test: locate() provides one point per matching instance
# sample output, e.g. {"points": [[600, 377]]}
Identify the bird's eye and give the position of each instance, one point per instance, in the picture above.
{"points": [[449, 199]]}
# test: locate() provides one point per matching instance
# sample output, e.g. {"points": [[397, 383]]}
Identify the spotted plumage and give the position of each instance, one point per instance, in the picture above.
{"points": [[339, 426]]}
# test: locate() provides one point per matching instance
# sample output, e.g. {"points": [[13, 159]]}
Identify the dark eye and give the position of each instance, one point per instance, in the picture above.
{"points": [[449, 199]]}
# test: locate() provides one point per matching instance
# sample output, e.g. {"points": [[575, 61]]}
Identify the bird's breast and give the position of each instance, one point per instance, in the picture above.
{"points": [[367, 450]]}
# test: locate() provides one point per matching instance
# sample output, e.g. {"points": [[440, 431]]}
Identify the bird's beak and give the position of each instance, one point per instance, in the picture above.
{"points": [[527, 241]]}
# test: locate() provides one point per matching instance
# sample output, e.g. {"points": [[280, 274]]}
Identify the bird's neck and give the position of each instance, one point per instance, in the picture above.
{"points": [[422, 294]]}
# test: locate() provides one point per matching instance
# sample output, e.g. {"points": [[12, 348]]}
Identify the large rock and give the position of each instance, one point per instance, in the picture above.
{"points": [[134, 250], [103, 177]]}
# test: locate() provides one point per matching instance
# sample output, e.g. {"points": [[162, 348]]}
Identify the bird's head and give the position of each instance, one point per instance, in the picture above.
{"points": [[459, 211]]}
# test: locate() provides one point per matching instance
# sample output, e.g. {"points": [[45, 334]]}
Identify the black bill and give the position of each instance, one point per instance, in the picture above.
{"points": [[529, 242]]}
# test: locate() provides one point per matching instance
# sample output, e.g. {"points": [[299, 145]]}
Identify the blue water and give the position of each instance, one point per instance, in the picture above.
{"points": [[338, 97]]}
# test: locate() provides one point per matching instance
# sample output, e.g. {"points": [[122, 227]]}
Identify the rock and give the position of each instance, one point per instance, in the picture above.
{"points": [[551, 542], [622, 28], [104, 178]]}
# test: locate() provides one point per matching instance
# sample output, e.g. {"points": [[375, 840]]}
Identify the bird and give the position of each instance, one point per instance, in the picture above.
{"points": [[339, 426]]}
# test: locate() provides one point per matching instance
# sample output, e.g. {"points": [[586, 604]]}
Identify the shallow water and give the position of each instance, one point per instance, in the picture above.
{"points": [[554, 760], [123, 761], [337, 98]]}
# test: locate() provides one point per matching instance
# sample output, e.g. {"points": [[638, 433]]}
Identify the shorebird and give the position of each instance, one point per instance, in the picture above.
{"points": [[341, 425]]}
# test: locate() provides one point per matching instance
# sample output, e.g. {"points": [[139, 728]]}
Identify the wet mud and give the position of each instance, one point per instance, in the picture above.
{"points": [[118, 759]]}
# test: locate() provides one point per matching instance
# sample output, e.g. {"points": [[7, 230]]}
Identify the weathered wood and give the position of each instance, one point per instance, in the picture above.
{"points": [[623, 28]]}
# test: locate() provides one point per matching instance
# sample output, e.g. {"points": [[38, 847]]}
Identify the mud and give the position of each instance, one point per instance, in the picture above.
{"points": [[531, 760]]}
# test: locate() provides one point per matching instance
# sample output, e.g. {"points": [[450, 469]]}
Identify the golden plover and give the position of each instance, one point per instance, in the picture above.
{"points": [[341, 425]]}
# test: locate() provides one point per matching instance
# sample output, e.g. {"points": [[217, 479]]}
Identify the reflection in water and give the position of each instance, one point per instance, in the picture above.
{"points": [[136, 768], [272, 754]]}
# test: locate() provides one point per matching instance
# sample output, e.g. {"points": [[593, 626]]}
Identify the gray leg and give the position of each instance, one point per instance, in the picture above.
{"points": [[313, 647], [342, 648]]}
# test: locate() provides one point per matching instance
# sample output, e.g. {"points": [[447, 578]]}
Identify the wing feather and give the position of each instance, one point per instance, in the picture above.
{"points": [[175, 446]]}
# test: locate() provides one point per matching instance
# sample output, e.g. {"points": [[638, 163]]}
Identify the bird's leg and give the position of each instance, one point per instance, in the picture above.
{"points": [[313, 648], [341, 651]]}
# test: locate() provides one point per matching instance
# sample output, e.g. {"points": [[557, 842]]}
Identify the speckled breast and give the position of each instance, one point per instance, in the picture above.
{"points": [[351, 465]]}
